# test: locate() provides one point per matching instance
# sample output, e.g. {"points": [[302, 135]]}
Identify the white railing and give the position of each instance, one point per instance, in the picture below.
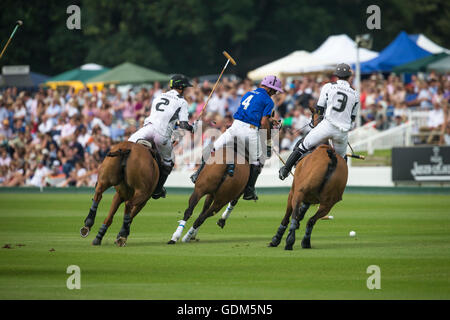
{"points": [[394, 137], [362, 132], [417, 119], [369, 139]]}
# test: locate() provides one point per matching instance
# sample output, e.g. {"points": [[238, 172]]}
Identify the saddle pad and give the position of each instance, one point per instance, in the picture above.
{"points": [[145, 143]]}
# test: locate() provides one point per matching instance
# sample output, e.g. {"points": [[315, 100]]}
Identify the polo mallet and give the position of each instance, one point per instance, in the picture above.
{"points": [[229, 59], [281, 159], [278, 155], [18, 24], [353, 155]]}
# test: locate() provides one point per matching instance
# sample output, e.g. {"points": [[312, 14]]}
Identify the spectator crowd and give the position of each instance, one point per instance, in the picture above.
{"points": [[59, 137]]}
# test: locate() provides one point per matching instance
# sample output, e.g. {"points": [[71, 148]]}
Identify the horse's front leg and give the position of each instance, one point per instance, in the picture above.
{"points": [[134, 206], [208, 212], [192, 233], [323, 211], [125, 229], [290, 239], [227, 212], [117, 200], [90, 219], [298, 215], [193, 200]]}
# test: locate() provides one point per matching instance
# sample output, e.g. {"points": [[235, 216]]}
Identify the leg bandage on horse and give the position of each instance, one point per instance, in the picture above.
{"points": [[94, 205]]}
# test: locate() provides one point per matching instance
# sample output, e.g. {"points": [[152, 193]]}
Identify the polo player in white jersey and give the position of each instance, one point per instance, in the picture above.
{"points": [[337, 108], [167, 110]]}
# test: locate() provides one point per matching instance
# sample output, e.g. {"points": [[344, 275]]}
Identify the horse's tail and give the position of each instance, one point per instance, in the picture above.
{"points": [[331, 167], [123, 155], [119, 153]]}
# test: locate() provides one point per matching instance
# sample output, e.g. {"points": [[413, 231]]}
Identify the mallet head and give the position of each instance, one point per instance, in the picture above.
{"points": [[19, 22], [227, 55]]}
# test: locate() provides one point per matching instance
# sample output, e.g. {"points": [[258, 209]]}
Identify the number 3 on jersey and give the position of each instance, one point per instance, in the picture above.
{"points": [[246, 102], [342, 101]]}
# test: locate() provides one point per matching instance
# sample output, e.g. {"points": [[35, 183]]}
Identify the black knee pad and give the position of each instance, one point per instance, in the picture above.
{"points": [[257, 167], [166, 169]]}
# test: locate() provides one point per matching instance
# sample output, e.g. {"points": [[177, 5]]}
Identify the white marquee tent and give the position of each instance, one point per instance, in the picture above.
{"points": [[274, 67], [336, 49], [426, 44]]}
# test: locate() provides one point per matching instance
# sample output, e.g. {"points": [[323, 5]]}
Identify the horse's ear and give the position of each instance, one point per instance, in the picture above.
{"points": [[273, 113]]}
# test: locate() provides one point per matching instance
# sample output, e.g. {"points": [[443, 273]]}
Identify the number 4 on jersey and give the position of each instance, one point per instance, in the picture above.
{"points": [[246, 102]]}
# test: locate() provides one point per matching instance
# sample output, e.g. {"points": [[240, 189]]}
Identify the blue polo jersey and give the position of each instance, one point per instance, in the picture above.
{"points": [[254, 106]]}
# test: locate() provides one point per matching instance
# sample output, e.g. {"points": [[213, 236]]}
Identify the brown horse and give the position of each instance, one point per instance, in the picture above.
{"points": [[320, 177], [220, 188], [133, 170]]}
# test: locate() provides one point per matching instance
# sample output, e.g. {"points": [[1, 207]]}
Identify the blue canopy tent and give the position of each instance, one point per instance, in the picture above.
{"points": [[398, 52], [38, 78]]}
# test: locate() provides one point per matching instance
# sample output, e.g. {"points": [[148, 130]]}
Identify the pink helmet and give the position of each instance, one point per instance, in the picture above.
{"points": [[272, 82]]}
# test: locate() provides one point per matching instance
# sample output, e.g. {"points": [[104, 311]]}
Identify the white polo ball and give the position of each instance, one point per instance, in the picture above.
{"points": [[352, 233]]}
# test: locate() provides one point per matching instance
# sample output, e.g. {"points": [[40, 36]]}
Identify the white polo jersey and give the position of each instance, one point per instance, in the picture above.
{"points": [[341, 102], [167, 108]]}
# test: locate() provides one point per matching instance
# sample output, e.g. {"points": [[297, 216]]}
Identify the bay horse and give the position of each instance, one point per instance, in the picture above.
{"points": [[133, 170], [219, 187], [320, 178]]}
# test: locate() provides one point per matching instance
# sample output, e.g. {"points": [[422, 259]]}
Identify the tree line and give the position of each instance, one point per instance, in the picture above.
{"points": [[188, 36]]}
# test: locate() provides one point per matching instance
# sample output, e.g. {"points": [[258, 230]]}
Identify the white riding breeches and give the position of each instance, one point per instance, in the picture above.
{"points": [[163, 144], [246, 135], [324, 131]]}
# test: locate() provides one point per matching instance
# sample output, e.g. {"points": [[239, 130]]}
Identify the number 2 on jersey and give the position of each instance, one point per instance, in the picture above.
{"points": [[165, 102], [246, 102]]}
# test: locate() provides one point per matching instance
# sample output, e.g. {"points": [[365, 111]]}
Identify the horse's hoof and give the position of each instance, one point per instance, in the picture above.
{"points": [[306, 244], [275, 242], [84, 231], [89, 222], [221, 223], [96, 241], [171, 242], [121, 242], [288, 248]]}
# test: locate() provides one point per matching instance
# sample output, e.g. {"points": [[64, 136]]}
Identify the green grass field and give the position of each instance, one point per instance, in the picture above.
{"points": [[407, 236]]}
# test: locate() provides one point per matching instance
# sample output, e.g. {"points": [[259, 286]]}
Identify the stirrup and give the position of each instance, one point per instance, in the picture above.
{"points": [[250, 194], [160, 194]]}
